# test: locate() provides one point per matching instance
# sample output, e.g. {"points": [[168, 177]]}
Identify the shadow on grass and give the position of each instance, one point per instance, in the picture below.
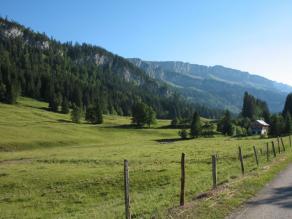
{"points": [[173, 127], [64, 121], [37, 107], [170, 140], [127, 126]]}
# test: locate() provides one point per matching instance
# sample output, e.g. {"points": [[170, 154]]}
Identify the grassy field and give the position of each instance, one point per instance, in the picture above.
{"points": [[52, 168]]}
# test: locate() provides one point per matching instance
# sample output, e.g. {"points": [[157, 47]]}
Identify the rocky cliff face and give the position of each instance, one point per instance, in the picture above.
{"points": [[216, 86]]}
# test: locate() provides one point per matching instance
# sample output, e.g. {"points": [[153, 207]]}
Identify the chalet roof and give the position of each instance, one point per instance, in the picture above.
{"points": [[262, 122]]}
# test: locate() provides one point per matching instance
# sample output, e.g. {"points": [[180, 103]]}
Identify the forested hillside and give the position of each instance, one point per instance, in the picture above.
{"points": [[216, 86], [66, 74]]}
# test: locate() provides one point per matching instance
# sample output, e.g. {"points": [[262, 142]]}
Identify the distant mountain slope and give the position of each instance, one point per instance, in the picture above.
{"points": [[216, 86]]}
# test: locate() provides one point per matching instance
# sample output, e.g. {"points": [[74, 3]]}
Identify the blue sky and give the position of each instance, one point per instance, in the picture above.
{"points": [[250, 35]]}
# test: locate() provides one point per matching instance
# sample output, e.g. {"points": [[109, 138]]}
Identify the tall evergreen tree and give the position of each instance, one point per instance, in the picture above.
{"points": [[288, 105], [225, 125], [288, 123], [12, 92], [94, 114], [76, 114], [254, 108], [248, 108], [65, 106], [196, 126], [277, 125]]}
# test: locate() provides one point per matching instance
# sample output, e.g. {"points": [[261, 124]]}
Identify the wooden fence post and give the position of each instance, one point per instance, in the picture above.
{"points": [[268, 151], [274, 150], [214, 170], [241, 160], [127, 190], [290, 141], [278, 141], [183, 177], [256, 155], [284, 149]]}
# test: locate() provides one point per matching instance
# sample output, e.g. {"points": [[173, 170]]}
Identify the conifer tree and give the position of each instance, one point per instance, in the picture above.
{"points": [[277, 125], [94, 114], [288, 105], [248, 108], [196, 127], [65, 106], [76, 114], [226, 124], [288, 123]]}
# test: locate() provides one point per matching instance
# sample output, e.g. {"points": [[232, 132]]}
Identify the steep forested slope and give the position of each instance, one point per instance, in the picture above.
{"points": [[34, 65]]}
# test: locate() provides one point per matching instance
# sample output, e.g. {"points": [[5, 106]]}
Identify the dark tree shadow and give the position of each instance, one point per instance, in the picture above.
{"points": [[173, 127], [64, 121], [125, 126], [281, 197], [37, 107], [170, 140]]}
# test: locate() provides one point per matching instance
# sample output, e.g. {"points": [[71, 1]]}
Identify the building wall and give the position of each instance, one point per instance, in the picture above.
{"points": [[259, 131]]}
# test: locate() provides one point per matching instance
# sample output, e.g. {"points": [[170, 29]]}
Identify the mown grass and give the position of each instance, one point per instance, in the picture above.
{"points": [[52, 168]]}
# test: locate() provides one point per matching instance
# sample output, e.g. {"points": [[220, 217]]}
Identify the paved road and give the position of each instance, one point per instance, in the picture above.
{"points": [[274, 201]]}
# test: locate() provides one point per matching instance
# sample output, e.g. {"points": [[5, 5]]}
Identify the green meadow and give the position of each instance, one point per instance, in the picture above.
{"points": [[53, 168]]}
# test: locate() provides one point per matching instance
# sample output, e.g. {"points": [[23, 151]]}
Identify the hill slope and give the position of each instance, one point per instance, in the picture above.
{"points": [[216, 86], [34, 65]]}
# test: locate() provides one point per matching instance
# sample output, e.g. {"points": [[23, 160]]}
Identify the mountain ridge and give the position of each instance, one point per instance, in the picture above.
{"points": [[194, 80]]}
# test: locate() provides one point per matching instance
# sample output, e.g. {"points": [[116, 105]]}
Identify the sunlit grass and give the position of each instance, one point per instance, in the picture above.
{"points": [[52, 168]]}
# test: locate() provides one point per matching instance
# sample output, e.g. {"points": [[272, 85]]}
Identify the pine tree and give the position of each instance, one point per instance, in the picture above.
{"points": [[248, 108], [65, 106], [226, 124], [55, 102], [195, 126], [2, 92], [288, 123], [94, 114], [277, 125], [12, 92], [76, 114], [288, 105]]}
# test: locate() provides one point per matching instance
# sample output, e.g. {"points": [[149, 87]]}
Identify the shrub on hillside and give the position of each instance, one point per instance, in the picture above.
{"points": [[183, 134]]}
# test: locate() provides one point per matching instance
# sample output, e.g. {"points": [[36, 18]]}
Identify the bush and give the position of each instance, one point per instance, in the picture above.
{"points": [[174, 122], [239, 131], [208, 129], [183, 134]]}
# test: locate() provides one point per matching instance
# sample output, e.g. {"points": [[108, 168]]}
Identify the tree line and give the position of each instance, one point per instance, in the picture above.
{"points": [[252, 109]]}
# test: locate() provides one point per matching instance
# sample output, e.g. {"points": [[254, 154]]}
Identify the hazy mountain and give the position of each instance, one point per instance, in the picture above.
{"points": [[216, 86]]}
